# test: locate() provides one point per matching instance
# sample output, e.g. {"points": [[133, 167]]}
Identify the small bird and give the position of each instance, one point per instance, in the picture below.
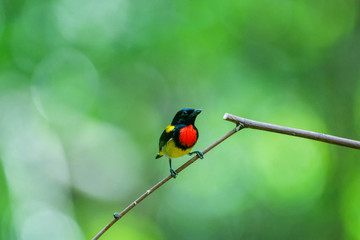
{"points": [[179, 137]]}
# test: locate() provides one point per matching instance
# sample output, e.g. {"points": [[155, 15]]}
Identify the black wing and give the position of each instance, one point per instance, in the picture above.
{"points": [[164, 138]]}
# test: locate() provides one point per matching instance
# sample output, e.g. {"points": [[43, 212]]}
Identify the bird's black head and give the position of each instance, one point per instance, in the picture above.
{"points": [[185, 116]]}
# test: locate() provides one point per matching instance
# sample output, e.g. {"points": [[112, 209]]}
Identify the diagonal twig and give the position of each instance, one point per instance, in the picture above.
{"points": [[241, 123], [117, 216]]}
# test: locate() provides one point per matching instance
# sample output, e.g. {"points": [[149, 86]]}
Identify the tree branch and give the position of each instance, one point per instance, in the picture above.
{"points": [[247, 123], [117, 216], [241, 123]]}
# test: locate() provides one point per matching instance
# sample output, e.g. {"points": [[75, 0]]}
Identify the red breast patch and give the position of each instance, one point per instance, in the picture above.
{"points": [[188, 136]]}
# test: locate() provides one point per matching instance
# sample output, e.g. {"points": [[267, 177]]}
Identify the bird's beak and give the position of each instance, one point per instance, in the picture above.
{"points": [[195, 113]]}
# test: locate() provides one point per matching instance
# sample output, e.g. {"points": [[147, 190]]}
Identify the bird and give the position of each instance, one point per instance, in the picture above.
{"points": [[180, 137]]}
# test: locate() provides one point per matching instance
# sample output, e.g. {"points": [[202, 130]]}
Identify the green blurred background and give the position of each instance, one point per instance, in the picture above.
{"points": [[86, 88]]}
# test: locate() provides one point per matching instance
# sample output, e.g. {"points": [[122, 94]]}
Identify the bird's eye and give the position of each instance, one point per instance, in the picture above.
{"points": [[184, 113]]}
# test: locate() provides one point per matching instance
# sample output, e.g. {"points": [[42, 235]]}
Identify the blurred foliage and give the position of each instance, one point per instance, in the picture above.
{"points": [[86, 88]]}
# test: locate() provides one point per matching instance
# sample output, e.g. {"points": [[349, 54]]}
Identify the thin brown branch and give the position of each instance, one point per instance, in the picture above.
{"points": [[117, 216], [241, 123], [247, 123]]}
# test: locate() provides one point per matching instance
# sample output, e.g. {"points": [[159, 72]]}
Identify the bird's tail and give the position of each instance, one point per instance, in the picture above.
{"points": [[159, 155]]}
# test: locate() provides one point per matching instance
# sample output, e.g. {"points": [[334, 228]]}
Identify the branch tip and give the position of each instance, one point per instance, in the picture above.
{"points": [[225, 116]]}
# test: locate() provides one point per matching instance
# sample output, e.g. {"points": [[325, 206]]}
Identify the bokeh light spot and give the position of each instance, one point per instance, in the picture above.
{"points": [[65, 81]]}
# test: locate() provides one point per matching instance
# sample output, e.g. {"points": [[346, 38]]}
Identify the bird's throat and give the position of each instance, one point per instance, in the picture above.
{"points": [[188, 136]]}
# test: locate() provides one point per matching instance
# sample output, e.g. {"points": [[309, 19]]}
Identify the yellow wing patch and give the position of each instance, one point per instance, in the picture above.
{"points": [[169, 128]]}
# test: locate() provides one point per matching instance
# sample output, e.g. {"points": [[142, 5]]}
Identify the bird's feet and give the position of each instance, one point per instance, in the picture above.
{"points": [[200, 154], [173, 173]]}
